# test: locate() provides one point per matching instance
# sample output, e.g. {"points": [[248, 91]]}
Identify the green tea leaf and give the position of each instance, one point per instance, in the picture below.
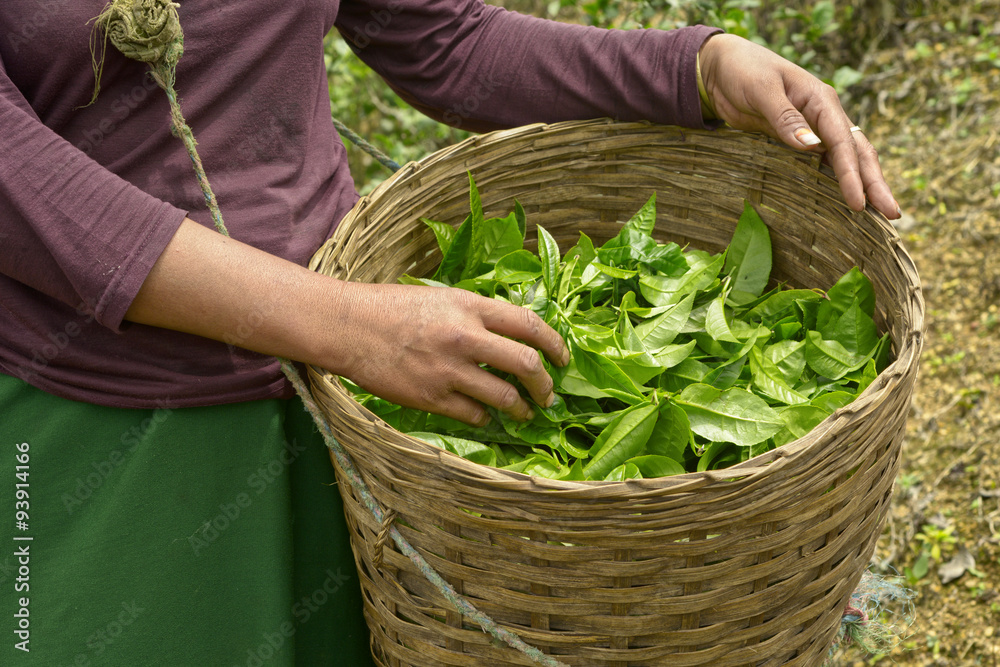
{"points": [[500, 237], [714, 455], [443, 232], [538, 465], [476, 251], [748, 259], [476, 452], [548, 251], [833, 401], [672, 433], [520, 218], [830, 358], [663, 329], [715, 321], [613, 271], [604, 374], [799, 420], [644, 219], [769, 380], [789, 357], [574, 383], [651, 466], [573, 446], [568, 278], [626, 439], [621, 473], [853, 329], [734, 415], [518, 267], [665, 290], [453, 262], [574, 473], [781, 304], [669, 356], [852, 287], [690, 371], [727, 374]]}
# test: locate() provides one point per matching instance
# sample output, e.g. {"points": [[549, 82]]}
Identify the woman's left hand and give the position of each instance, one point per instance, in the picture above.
{"points": [[752, 88]]}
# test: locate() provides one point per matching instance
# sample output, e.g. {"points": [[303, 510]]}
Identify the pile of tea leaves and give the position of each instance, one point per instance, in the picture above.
{"points": [[681, 360]]}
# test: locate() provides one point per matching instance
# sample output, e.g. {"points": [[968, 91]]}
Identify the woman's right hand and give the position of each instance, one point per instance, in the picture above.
{"points": [[417, 346], [422, 347]]}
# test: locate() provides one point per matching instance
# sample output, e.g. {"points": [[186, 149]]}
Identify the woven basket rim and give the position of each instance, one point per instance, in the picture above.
{"points": [[747, 472]]}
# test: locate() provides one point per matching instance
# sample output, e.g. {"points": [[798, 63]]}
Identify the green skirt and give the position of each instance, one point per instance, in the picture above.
{"points": [[174, 536]]}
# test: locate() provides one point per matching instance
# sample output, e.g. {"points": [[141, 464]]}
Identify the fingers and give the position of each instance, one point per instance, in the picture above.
{"points": [[487, 389], [522, 361], [477, 388], [525, 325], [842, 154], [855, 161], [503, 336], [754, 89], [517, 336], [873, 181], [848, 151]]}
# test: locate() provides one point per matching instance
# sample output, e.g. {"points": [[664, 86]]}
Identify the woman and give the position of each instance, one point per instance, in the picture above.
{"points": [[177, 497]]}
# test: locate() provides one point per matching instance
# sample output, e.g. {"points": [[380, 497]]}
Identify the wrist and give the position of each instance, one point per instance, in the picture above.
{"points": [[707, 110], [707, 66]]}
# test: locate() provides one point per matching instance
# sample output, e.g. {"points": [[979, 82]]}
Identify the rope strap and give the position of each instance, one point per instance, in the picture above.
{"points": [[359, 141], [149, 31]]}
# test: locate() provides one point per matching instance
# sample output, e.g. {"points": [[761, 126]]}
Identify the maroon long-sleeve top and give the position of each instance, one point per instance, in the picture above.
{"points": [[90, 195]]}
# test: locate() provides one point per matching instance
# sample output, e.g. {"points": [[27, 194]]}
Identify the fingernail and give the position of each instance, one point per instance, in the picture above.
{"points": [[565, 356], [807, 137], [550, 400], [899, 211], [529, 415]]}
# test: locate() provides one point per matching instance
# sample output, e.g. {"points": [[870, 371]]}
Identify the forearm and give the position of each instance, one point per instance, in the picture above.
{"points": [[417, 346], [216, 287], [480, 67]]}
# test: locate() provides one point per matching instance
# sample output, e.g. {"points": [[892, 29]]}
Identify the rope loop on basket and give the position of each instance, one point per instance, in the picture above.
{"points": [[163, 63], [358, 141], [383, 534]]}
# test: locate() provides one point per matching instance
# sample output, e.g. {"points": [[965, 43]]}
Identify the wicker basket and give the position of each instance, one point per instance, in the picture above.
{"points": [[752, 565]]}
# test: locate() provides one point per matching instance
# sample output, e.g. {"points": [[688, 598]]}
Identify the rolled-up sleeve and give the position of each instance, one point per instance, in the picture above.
{"points": [[70, 228], [482, 67]]}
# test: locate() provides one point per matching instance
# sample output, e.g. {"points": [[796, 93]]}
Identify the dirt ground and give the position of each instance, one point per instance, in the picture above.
{"points": [[930, 103]]}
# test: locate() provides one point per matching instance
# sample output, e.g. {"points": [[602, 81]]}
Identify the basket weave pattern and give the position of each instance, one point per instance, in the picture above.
{"points": [[746, 566]]}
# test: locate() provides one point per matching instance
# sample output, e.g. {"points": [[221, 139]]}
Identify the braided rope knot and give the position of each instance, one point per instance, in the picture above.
{"points": [[145, 30], [148, 31]]}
